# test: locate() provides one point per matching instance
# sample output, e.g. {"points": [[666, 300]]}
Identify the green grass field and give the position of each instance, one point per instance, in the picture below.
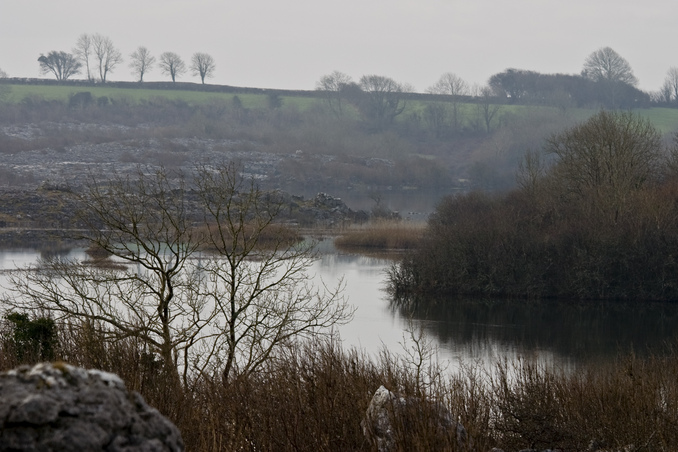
{"points": [[665, 119], [137, 95]]}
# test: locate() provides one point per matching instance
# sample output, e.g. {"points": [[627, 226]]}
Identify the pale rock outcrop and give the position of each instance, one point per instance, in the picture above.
{"points": [[388, 411]]}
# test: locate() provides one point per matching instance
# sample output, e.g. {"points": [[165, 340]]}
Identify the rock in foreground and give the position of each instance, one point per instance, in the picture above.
{"points": [[390, 416], [66, 408]]}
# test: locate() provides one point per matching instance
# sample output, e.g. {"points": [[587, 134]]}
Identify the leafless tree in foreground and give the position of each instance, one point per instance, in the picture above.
{"points": [[143, 223], [208, 281], [257, 278], [202, 64]]}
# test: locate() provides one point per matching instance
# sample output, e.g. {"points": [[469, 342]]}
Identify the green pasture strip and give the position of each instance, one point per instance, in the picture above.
{"points": [[470, 109], [136, 95], [665, 119], [301, 102]]}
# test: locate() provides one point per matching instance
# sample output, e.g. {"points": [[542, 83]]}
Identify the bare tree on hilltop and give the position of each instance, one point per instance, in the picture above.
{"points": [[332, 86], [669, 90], [171, 64], [382, 101], [449, 84], [106, 56], [63, 65], [452, 85], [202, 64], [141, 62], [488, 106], [83, 51], [607, 65], [612, 72]]}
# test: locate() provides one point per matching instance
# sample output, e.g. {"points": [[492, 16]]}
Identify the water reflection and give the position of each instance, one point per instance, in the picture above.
{"points": [[374, 326], [470, 330], [572, 332]]}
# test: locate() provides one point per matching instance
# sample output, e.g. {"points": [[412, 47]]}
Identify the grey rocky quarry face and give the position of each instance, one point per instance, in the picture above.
{"points": [[56, 406]]}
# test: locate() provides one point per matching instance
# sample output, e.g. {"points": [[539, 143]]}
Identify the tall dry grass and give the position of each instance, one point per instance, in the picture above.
{"points": [[381, 235], [313, 396]]}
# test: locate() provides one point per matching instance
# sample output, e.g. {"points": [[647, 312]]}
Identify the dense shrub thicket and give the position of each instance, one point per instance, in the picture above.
{"points": [[599, 221]]}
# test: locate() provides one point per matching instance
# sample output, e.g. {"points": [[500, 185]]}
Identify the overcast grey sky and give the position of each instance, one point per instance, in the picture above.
{"points": [[291, 44]]}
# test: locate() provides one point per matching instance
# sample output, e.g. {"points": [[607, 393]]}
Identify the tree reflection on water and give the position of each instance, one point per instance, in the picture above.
{"points": [[578, 331]]}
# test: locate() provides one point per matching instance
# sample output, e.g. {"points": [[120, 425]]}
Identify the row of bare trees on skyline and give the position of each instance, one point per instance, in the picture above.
{"points": [[606, 78], [97, 57]]}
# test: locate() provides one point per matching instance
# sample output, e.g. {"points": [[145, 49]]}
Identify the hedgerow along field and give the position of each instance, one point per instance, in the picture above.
{"points": [[665, 119]]}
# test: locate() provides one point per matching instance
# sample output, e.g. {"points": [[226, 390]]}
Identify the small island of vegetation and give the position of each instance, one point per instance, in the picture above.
{"points": [[594, 217]]}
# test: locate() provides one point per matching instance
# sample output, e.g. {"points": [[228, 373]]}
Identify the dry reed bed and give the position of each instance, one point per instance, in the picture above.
{"points": [[382, 235]]}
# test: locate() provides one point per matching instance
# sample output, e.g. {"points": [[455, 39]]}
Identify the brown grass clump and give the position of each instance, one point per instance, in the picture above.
{"points": [[101, 258], [630, 404], [382, 235]]}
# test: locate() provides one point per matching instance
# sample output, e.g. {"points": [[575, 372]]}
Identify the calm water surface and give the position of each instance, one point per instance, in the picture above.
{"points": [[475, 331], [559, 332]]}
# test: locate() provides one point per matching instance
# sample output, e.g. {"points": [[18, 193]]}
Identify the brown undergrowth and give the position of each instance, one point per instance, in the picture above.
{"points": [[313, 396]]}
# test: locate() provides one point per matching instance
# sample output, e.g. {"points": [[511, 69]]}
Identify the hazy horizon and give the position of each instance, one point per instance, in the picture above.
{"points": [[290, 45]]}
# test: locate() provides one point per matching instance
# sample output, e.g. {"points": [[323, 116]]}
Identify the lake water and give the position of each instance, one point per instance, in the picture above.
{"points": [[475, 331]]}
